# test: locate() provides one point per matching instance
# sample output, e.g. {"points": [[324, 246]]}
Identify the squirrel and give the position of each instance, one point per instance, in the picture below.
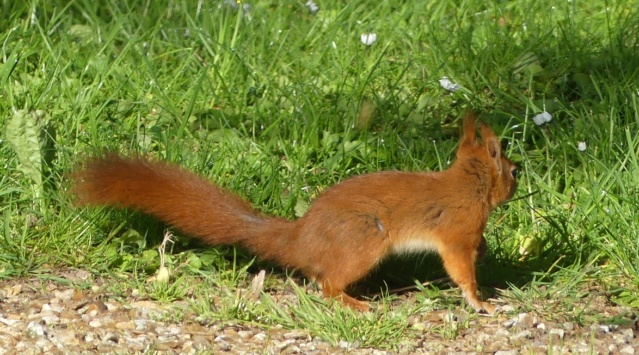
{"points": [[348, 229]]}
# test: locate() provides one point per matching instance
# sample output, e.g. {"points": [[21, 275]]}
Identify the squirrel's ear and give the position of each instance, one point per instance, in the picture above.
{"points": [[492, 145], [469, 137]]}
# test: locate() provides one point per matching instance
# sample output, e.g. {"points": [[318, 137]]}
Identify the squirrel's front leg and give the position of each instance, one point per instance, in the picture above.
{"points": [[459, 262]]}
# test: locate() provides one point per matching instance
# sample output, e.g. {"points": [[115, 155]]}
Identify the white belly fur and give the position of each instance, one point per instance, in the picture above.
{"points": [[416, 245]]}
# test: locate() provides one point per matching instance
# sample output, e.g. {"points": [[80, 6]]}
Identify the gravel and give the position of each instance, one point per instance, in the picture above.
{"points": [[49, 317]]}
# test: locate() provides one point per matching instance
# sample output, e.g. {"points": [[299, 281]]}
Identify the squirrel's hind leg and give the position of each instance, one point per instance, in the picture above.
{"points": [[336, 292]]}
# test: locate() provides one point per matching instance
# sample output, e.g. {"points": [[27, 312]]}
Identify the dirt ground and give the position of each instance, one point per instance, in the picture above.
{"points": [[48, 317]]}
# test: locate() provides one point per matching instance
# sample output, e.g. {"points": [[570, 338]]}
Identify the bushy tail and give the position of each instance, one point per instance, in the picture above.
{"points": [[182, 199]]}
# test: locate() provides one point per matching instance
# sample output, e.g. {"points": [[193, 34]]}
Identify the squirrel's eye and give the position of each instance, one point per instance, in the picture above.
{"points": [[513, 172]]}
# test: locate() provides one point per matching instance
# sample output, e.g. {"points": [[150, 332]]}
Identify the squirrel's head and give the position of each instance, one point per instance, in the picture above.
{"points": [[484, 160]]}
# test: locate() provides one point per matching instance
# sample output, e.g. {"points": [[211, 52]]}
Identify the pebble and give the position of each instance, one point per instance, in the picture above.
{"points": [[557, 333], [296, 334], [521, 321], [68, 337], [260, 337], [507, 352], [50, 319], [343, 344], [604, 328], [626, 349], [65, 295], [244, 334], [35, 329]]}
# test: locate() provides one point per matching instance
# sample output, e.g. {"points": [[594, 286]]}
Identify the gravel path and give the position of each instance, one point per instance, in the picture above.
{"points": [[48, 317]]}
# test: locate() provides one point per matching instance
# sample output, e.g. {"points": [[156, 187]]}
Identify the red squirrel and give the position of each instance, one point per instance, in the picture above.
{"points": [[348, 230]]}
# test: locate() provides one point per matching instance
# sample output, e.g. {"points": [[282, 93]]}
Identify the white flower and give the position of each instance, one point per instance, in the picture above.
{"points": [[448, 85], [581, 146], [542, 118], [369, 38], [312, 6]]}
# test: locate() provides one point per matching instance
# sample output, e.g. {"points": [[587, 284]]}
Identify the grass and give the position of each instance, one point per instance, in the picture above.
{"points": [[277, 103]]}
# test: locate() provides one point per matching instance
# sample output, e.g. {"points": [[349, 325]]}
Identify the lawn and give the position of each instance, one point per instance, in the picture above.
{"points": [[278, 100]]}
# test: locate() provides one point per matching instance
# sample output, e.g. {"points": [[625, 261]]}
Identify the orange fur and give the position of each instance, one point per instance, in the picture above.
{"points": [[348, 229]]}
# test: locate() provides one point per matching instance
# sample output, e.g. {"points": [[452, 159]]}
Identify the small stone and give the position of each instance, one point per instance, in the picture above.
{"points": [[584, 347], [507, 352], [626, 349], [201, 342], [542, 327], [44, 345], [612, 348], [65, 295], [343, 344], [50, 319], [89, 337], [292, 349], [170, 345], [244, 334], [225, 346], [507, 308], [482, 338], [96, 323], [230, 333], [141, 324], [557, 333], [35, 329], [260, 337], [127, 325], [9, 322], [95, 308], [295, 335], [35, 306], [494, 346], [285, 344], [449, 318], [522, 321], [110, 337], [521, 338], [108, 348], [569, 326], [67, 336], [187, 347], [627, 334]]}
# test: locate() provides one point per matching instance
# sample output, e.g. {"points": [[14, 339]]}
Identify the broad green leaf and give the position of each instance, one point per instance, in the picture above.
{"points": [[24, 133]]}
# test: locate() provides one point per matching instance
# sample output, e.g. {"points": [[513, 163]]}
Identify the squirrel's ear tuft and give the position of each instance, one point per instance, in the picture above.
{"points": [[492, 145], [469, 138]]}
